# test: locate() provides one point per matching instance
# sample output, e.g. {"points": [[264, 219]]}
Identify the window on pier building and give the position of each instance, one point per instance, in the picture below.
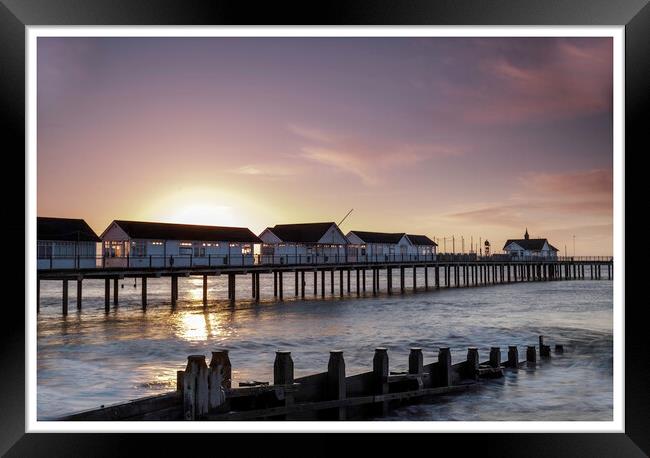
{"points": [[246, 249], [138, 248]]}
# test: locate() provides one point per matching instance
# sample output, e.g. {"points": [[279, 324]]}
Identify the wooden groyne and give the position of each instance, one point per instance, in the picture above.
{"points": [[204, 391], [353, 278]]}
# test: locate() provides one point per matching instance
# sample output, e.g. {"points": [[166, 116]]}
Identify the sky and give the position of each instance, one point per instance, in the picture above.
{"points": [[472, 138]]}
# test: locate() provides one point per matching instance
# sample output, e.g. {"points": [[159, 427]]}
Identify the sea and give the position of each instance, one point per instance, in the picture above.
{"points": [[91, 358]]}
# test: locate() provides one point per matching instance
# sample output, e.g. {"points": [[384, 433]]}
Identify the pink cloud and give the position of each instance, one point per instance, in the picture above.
{"points": [[364, 158], [543, 198], [576, 81], [597, 182]]}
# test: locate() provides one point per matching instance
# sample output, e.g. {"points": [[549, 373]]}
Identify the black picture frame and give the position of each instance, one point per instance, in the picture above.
{"points": [[16, 14]]}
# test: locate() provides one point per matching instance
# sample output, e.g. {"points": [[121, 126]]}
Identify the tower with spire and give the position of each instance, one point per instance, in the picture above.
{"points": [[529, 248]]}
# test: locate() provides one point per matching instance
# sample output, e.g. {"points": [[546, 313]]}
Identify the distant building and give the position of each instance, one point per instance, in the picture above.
{"points": [[305, 243], [527, 248], [385, 246], [423, 245], [65, 243], [149, 244]]}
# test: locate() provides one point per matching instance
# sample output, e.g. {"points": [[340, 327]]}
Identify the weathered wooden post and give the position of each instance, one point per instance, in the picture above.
{"points": [[513, 356], [444, 366], [341, 282], [472, 363], [295, 293], [336, 386], [221, 359], [544, 350], [322, 283], [283, 374], [332, 282], [363, 279], [219, 378], [107, 295], [380, 371], [115, 293], [416, 365], [531, 354], [495, 357], [280, 285], [143, 282], [195, 388], [275, 284], [64, 301], [559, 348], [302, 284]]}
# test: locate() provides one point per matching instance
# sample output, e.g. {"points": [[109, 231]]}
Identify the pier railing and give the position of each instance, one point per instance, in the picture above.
{"points": [[216, 261]]}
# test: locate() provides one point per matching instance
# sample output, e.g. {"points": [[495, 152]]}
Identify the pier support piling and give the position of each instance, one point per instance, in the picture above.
{"points": [[107, 294], [174, 280], [79, 293], [115, 292], [65, 297], [144, 293], [205, 290]]}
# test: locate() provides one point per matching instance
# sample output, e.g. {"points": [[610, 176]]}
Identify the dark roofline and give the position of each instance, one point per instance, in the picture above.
{"points": [[523, 242], [174, 231], [303, 232], [64, 229], [422, 239], [379, 237]]}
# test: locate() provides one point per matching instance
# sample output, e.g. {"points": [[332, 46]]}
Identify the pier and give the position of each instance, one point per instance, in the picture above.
{"points": [[355, 278], [204, 391]]}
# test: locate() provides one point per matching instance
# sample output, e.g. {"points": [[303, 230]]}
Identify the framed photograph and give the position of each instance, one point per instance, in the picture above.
{"points": [[373, 220]]}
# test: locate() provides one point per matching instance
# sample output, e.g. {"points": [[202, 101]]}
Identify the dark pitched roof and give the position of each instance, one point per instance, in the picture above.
{"points": [[301, 233], [529, 244], [67, 229], [169, 231], [379, 237], [421, 240]]}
